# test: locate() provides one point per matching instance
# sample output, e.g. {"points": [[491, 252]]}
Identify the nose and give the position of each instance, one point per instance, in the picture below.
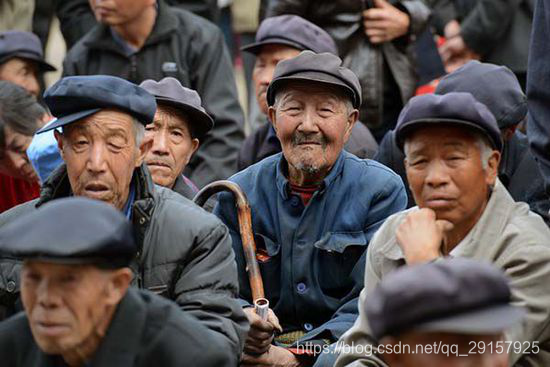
{"points": [[160, 143], [32, 86], [47, 296], [97, 161], [437, 174], [309, 123]]}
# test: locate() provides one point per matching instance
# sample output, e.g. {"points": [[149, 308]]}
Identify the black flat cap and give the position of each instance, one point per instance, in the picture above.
{"points": [[293, 31], [457, 295], [170, 91], [75, 97], [322, 68], [72, 230], [457, 109], [25, 45], [495, 86]]}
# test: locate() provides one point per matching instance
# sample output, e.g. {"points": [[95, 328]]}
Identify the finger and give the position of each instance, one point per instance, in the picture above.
{"points": [[444, 225], [256, 323], [259, 336], [375, 24], [274, 320], [382, 4], [255, 350], [375, 33], [377, 40], [375, 14]]}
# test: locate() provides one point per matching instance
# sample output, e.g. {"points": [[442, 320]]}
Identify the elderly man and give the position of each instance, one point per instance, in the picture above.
{"points": [[461, 305], [146, 39], [22, 60], [184, 253], [281, 38], [78, 307], [452, 146], [315, 208], [179, 125]]}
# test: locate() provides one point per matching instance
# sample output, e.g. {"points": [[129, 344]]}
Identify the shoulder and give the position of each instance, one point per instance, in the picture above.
{"points": [[82, 45], [369, 173], [526, 232], [15, 336], [266, 169], [194, 26]]}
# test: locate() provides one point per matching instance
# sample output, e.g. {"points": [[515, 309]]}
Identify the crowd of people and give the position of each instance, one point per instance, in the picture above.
{"points": [[392, 162]]}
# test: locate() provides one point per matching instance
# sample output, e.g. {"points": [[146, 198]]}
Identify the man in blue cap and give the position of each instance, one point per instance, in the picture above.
{"points": [[277, 39], [315, 208], [78, 306], [452, 146], [184, 253]]}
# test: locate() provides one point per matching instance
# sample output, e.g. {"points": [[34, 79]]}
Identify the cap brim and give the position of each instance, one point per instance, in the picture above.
{"points": [[256, 47], [102, 262], [490, 320], [43, 66], [409, 126], [202, 123], [310, 76], [69, 119]]}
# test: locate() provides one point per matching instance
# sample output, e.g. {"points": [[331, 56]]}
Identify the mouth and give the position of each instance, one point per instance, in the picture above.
{"points": [[439, 202], [157, 164], [51, 329], [96, 189]]}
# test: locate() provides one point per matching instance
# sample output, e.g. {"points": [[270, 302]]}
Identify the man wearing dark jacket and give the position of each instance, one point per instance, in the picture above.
{"points": [[79, 309], [497, 88], [184, 253], [146, 39], [277, 39]]}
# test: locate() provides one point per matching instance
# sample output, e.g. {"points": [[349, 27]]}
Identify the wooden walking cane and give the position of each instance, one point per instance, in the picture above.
{"points": [[261, 304]]}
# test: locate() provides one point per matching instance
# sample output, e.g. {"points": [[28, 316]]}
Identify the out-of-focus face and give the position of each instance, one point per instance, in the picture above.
{"points": [[312, 124], [68, 306], [118, 12], [21, 72], [13, 158], [456, 350], [264, 67], [101, 155], [445, 173], [172, 146]]}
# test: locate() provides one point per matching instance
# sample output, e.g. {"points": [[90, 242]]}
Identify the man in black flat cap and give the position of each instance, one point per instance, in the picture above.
{"points": [[452, 146], [184, 253], [22, 60], [315, 208], [179, 125], [461, 306], [277, 39], [78, 307]]}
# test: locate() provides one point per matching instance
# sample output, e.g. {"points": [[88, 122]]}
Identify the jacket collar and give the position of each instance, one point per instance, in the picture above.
{"points": [[489, 226], [282, 174], [165, 25]]}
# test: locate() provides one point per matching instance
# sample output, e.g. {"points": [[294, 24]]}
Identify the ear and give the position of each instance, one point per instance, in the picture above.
{"points": [[118, 283], [144, 147], [272, 114], [194, 146], [492, 167], [352, 119], [60, 143]]}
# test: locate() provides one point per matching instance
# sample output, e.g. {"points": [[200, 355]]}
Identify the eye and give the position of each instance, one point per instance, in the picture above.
{"points": [[33, 277], [177, 133], [150, 127], [68, 278]]}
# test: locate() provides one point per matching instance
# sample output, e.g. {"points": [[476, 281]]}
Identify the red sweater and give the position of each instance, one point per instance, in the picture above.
{"points": [[14, 191]]}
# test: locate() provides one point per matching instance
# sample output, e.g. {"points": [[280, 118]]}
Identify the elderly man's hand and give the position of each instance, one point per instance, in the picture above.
{"points": [[421, 236], [385, 22], [275, 356], [454, 52], [261, 332]]}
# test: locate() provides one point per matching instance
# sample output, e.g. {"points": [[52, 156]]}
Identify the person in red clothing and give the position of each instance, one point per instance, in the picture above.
{"points": [[20, 116]]}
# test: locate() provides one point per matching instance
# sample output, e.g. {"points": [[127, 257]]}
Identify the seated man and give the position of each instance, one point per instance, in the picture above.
{"points": [[460, 305], [452, 146], [78, 307], [20, 116], [281, 38], [180, 124], [314, 207], [184, 253], [498, 89]]}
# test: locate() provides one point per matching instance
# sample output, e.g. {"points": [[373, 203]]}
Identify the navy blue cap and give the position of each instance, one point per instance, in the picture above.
{"points": [[25, 45], [293, 31], [73, 230], [456, 108], [170, 91], [75, 97], [456, 295], [322, 68], [497, 87]]}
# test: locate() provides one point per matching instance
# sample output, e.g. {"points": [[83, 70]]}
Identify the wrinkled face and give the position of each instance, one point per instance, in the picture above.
{"points": [[13, 158], [172, 146], [101, 155], [65, 304], [118, 12], [456, 351], [445, 173], [313, 124], [21, 72], [266, 60]]}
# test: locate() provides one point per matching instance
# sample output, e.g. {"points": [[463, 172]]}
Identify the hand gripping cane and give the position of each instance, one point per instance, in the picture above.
{"points": [[261, 304]]}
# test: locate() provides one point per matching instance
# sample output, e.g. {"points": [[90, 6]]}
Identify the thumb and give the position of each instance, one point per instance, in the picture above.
{"points": [[444, 225], [382, 4], [274, 320]]}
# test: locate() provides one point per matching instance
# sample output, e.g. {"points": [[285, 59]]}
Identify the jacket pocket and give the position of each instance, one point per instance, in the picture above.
{"points": [[337, 256], [268, 254]]}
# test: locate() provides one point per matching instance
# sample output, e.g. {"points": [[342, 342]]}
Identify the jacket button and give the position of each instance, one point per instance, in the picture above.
{"points": [[10, 286], [141, 220], [301, 287], [295, 201], [308, 326]]}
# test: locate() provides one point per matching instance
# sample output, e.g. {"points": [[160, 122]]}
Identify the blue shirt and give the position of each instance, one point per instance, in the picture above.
{"points": [[44, 154], [314, 261]]}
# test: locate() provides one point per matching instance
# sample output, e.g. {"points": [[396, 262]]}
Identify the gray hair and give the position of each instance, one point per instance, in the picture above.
{"points": [[139, 131]]}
